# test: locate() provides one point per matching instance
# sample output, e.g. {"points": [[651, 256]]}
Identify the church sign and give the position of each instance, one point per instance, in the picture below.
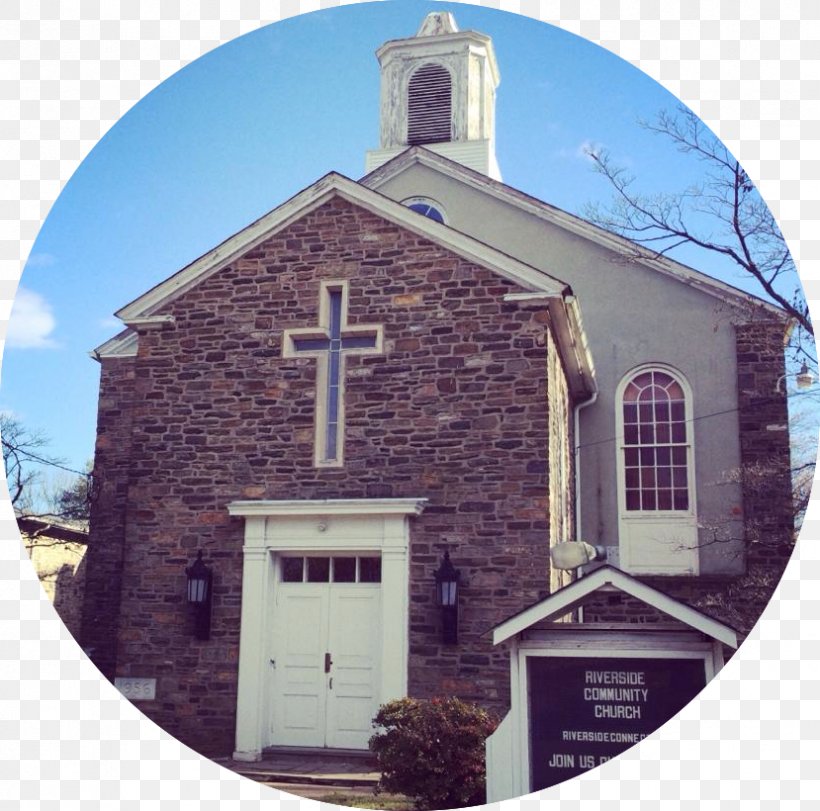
{"points": [[585, 710], [584, 692]]}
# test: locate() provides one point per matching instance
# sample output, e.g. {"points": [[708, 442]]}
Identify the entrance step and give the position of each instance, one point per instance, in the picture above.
{"points": [[319, 752], [319, 767]]}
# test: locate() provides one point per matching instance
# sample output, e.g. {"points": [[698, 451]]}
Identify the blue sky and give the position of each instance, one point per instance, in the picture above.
{"points": [[242, 129]]}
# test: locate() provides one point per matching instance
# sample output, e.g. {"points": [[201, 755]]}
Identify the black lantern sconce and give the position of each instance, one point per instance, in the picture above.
{"points": [[200, 586], [447, 582]]}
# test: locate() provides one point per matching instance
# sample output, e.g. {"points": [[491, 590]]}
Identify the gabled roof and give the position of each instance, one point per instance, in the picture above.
{"points": [[608, 579], [568, 222], [541, 289], [122, 345], [330, 186]]}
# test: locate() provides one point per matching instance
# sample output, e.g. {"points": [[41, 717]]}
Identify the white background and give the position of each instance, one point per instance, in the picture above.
{"points": [[750, 70]]}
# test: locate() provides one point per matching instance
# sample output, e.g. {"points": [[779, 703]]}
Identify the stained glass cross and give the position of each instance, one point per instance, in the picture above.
{"points": [[330, 344]]}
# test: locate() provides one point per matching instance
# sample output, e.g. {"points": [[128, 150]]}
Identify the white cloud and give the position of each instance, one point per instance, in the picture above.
{"points": [[584, 150], [31, 322], [588, 148]]}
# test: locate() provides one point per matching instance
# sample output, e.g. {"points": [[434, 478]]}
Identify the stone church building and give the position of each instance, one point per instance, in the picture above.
{"points": [[381, 371]]}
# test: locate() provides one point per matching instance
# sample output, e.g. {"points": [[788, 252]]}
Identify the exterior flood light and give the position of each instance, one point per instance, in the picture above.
{"points": [[804, 379], [447, 582], [572, 554], [200, 583]]}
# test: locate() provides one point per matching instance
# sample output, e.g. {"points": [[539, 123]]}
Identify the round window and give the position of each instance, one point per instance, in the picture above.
{"points": [[425, 206]]}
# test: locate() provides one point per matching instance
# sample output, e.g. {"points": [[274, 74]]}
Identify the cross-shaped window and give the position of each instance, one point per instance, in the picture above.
{"points": [[330, 343]]}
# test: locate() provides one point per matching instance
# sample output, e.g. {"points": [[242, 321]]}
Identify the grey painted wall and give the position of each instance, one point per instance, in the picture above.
{"points": [[632, 315]]}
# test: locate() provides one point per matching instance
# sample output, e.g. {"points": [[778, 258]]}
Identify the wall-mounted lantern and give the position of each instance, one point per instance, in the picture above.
{"points": [[447, 582], [200, 582]]}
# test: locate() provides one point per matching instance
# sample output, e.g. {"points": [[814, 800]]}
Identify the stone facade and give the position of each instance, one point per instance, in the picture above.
{"points": [[112, 464], [456, 410], [765, 449]]}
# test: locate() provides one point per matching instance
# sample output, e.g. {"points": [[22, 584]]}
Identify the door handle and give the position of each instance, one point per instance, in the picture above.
{"points": [[328, 663], [330, 686]]}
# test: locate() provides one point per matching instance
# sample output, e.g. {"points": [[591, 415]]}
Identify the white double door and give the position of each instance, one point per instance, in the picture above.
{"points": [[326, 663]]}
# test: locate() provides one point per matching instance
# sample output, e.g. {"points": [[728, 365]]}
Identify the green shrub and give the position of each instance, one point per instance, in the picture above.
{"points": [[432, 751]]}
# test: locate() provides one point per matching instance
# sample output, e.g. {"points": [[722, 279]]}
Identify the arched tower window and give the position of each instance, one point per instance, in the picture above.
{"points": [[429, 105]]}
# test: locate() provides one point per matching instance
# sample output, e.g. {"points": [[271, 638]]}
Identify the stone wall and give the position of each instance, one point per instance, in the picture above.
{"points": [[112, 463], [61, 570], [768, 509], [455, 411]]}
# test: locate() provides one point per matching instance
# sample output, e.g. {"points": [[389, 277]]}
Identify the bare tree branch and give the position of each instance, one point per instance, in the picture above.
{"points": [[24, 460], [724, 215]]}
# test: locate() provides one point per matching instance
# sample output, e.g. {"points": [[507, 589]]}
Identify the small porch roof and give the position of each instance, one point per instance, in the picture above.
{"points": [[609, 579]]}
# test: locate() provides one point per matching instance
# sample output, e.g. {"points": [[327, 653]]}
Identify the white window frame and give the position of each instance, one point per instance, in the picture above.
{"points": [[657, 542]]}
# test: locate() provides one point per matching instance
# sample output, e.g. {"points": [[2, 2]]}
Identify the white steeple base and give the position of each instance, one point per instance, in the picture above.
{"points": [[476, 154]]}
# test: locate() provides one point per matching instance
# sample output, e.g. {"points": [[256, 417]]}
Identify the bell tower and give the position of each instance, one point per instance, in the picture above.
{"points": [[438, 91]]}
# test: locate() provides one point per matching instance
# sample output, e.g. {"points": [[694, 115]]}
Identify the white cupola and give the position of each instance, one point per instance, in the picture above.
{"points": [[438, 91]]}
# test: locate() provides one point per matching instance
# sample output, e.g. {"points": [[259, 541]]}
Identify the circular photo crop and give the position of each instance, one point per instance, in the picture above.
{"points": [[450, 414]]}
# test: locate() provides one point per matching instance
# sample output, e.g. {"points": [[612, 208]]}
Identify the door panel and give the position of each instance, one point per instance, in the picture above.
{"points": [[354, 635], [300, 693]]}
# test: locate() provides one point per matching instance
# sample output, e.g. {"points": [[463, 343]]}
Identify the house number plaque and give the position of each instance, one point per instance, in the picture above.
{"points": [[136, 689]]}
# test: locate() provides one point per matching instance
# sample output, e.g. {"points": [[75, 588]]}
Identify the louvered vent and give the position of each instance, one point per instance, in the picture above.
{"points": [[429, 104]]}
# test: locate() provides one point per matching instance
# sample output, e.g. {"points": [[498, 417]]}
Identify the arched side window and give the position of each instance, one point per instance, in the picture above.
{"points": [[656, 446], [429, 105], [657, 525]]}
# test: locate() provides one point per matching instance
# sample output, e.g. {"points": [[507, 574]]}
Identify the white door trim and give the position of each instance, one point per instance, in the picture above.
{"points": [[356, 525]]}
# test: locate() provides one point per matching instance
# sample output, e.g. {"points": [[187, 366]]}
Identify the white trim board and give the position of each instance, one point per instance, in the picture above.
{"points": [[329, 506], [607, 578], [123, 345]]}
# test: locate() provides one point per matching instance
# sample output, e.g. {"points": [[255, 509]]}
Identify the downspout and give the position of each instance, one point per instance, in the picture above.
{"points": [[577, 451]]}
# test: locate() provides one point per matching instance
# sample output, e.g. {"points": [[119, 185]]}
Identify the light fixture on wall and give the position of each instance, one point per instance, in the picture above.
{"points": [[447, 583], [200, 586], [804, 379], [574, 554]]}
